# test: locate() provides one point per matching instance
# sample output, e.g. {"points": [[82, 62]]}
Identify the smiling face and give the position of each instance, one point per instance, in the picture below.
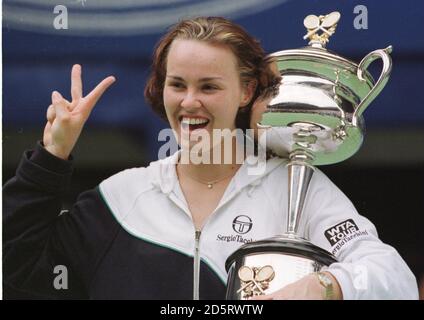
{"points": [[202, 88]]}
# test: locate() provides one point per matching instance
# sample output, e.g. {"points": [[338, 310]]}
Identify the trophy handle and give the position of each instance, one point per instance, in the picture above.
{"points": [[381, 82]]}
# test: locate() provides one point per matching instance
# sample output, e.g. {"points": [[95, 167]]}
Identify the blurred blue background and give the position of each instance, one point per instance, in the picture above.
{"points": [[38, 58], [109, 37]]}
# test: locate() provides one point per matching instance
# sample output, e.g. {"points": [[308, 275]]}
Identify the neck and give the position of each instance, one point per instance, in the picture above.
{"points": [[209, 169]]}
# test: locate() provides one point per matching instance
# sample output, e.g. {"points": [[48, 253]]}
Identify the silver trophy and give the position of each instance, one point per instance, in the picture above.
{"points": [[315, 119]]}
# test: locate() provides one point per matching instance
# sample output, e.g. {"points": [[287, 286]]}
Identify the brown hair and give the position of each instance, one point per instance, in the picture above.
{"points": [[252, 61]]}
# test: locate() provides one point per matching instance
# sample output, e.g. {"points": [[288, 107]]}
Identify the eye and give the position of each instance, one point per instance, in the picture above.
{"points": [[209, 87], [177, 85]]}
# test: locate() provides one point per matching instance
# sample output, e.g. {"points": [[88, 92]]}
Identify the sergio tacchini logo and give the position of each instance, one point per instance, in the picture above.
{"points": [[242, 224]]}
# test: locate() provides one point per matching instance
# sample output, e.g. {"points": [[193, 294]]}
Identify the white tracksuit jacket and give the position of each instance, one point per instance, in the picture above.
{"points": [[132, 237], [149, 204]]}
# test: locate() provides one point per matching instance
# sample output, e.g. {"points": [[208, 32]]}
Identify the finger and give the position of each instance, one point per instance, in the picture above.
{"points": [[76, 82], [97, 92], [263, 297], [60, 106], [68, 104], [47, 134], [51, 113]]}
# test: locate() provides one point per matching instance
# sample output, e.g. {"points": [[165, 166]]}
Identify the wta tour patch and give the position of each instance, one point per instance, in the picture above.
{"points": [[340, 231]]}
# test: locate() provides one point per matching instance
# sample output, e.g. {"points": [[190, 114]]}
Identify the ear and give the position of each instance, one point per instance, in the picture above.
{"points": [[248, 90]]}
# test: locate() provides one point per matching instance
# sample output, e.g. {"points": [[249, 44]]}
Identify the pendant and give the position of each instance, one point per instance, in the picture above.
{"points": [[210, 185]]}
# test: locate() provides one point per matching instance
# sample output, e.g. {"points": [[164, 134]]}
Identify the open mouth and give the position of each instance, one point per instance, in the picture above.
{"points": [[193, 123]]}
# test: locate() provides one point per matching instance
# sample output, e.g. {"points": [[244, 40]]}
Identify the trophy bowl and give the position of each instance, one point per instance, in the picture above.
{"points": [[328, 92], [315, 119]]}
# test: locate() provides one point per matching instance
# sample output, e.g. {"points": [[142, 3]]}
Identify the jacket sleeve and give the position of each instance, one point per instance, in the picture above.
{"points": [[47, 252], [367, 268]]}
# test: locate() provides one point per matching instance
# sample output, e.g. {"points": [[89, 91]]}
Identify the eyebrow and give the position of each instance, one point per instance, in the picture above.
{"points": [[201, 80]]}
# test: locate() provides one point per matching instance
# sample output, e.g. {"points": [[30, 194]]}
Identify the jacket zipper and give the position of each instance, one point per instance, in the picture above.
{"points": [[196, 267], [196, 261]]}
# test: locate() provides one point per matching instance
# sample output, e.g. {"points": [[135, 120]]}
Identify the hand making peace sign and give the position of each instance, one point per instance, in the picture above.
{"points": [[65, 119]]}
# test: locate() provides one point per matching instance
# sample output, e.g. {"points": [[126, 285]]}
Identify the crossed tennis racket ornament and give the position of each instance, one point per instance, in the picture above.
{"points": [[327, 24], [255, 280], [315, 119]]}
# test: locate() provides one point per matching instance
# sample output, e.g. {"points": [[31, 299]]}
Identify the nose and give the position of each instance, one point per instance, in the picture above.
{"points": [[190, 101]]}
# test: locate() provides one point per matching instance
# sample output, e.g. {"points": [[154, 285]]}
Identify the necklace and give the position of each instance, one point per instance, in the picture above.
{"points": [[210, 183]]}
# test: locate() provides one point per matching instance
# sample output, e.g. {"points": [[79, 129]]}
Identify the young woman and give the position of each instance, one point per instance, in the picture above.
{"points": [[165, 231]]}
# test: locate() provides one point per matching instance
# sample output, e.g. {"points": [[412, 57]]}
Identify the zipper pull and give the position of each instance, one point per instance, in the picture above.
{"points": [[197, 235]]}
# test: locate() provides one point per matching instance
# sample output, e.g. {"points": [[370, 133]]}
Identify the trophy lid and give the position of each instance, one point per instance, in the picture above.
{"points": [[317, 59], [321, 97]]}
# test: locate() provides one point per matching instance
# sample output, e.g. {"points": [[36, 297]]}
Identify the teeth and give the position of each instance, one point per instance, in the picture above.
{"points": [[194, 121]]}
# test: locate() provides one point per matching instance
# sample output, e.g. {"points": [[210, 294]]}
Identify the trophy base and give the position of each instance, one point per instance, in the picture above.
{"points": [[266, 266]]}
